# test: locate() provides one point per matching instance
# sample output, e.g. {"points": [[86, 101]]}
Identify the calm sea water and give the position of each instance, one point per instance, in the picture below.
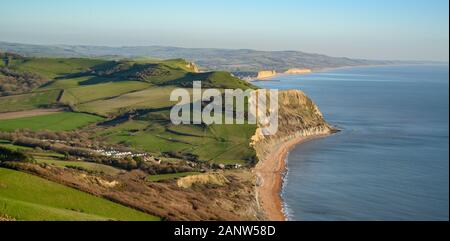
{"points": [[391, 160]]}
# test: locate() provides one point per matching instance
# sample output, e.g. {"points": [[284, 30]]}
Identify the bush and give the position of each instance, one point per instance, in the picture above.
{"points": [[13, 82], [14, 156]]}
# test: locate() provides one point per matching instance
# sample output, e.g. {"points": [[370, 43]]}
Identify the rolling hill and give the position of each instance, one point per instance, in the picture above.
{"points": [[234, 60], [102, 126], [26, 197], [134, 95]]}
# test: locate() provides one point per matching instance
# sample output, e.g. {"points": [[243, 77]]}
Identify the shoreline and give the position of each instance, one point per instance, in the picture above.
{"points": [[280, 75], [328, 69], [271, 172]]}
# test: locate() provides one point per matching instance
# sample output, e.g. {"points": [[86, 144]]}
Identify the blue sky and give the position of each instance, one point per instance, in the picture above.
{"points": [[377, 29]]}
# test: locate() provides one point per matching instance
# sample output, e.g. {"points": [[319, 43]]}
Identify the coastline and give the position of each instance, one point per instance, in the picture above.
{"points": [[270, 173], [328, 69], [279, 75]]}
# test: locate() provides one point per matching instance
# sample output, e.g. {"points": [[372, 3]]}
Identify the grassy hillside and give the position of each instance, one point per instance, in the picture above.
{"points": [[123, 108], [155, 133], [28, 101], [57, 159], [94, 167], [83, 94], [55, 122], [218, 79], [26, 197], [152, 98], [112, 88], [51, 68], [169, 72]]}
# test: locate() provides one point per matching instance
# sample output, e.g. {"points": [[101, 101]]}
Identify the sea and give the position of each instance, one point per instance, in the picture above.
{"points": [[390, 162]]}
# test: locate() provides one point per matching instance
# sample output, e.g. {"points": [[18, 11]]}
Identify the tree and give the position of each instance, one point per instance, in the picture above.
{"points": [[7, 60], [14, 156]]}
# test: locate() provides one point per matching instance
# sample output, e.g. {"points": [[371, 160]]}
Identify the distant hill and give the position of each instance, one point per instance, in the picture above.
{"points": [[233, 60]]}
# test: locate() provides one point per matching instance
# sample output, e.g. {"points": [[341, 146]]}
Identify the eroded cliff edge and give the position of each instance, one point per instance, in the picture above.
{"points": [[299, 119], [264, 74]]}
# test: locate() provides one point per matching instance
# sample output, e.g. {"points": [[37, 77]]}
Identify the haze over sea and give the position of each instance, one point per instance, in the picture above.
{"points": [[391, 160]]}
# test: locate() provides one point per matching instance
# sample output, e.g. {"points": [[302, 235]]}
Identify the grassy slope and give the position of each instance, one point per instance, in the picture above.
{"points": [[26, 197], [217, 79], [226, 144], [89, 93], [86, 88], [152, 98], [51, 68], [110, 95], [64, 84], [48, 68], [56, 122], [85, 165], [56, 159], [28, 101]]}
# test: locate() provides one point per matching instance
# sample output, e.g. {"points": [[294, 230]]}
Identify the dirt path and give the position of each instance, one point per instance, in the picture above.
{"points": [[28, 113]]}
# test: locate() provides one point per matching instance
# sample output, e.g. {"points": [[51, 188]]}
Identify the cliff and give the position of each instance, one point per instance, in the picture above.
{"points": [[266, 74], [298, 71], [298, 116], [299, 120], [192, 67]]}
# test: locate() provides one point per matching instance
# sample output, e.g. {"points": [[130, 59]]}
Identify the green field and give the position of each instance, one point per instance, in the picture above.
{"points": [[216, 79], [55, 122], [112, 88], [154, 133], [165, 177], [88, 93], [153, 98], [53, 67], [26, 197], [61, 84], [28, 101], [85, 165]]}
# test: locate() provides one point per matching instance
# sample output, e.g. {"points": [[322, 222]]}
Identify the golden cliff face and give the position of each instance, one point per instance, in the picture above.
{"points": [[266, 74], [298, 71], [298, 117]]}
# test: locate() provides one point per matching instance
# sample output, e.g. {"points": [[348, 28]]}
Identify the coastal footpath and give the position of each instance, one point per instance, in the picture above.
{"points": [[299, 120]]}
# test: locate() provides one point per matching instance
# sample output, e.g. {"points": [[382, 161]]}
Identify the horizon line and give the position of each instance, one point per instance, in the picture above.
{"points": [[210, 48]]}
